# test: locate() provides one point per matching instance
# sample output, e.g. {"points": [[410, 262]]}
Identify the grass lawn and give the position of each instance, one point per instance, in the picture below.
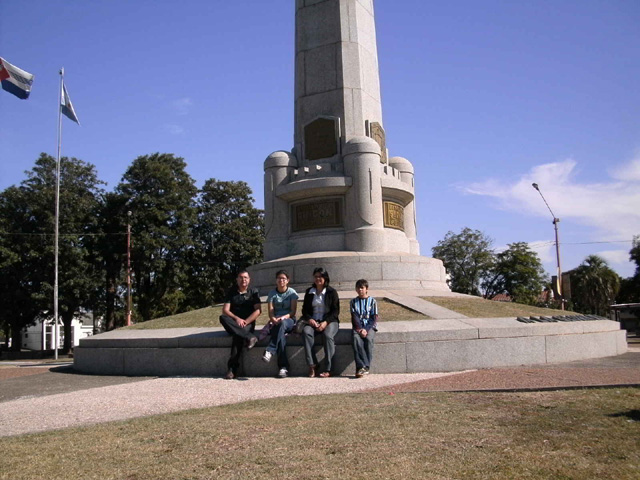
{"points": [[575, 434], [482, 308], [208, 317]]}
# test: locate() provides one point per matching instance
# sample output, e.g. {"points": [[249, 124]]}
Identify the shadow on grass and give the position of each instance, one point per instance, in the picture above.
{"points": [[630, 414]]}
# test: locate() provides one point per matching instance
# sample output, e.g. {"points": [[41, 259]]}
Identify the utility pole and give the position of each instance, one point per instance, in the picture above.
{"points": [[128, 268]]}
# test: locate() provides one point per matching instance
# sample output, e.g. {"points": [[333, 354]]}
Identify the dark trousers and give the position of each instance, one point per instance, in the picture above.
{"points": [[239, 336], [328, 334]]}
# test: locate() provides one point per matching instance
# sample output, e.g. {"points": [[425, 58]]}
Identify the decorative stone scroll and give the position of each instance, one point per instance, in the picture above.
{"points": [[322, 214], [377, 133], [393, 215], [320, 139]]}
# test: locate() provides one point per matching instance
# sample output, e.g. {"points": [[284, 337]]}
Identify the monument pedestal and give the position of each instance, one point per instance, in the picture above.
{"points": [[389, 271]]}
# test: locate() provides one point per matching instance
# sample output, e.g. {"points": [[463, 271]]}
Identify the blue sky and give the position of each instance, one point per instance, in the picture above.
{"points": [[483, 97]]}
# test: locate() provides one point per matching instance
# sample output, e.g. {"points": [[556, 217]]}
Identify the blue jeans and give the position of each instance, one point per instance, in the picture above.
{"points": [[363, 349], [278, 343]]}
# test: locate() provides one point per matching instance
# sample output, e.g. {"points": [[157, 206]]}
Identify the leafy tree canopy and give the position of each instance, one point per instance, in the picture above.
{"points": [[228, 236], [518, 272], [594, 286], [468, 258], [159, 193]]}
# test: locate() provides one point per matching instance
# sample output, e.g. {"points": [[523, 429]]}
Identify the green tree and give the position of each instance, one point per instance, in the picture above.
{"points": [[228, 236], [111, 250], [594, 286], [517, 272], [630, 287], [34, 224], [468, 258], [21, 274], [159, 193]]}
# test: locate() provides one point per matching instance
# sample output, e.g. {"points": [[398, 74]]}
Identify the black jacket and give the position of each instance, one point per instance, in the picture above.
{"points": [[331, 305]]}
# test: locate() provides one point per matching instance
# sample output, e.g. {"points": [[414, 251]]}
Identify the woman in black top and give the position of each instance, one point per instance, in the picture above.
{"points": [[320, 311]]}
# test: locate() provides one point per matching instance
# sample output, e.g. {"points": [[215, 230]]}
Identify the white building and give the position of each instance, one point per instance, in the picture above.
{"points": [[41, 335]]}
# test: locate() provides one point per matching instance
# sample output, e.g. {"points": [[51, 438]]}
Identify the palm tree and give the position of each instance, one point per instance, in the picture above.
{"points": [[594, 286]]}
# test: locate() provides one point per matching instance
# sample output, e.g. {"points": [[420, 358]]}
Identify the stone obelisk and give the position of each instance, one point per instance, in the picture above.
{"points": [[337, 199]]}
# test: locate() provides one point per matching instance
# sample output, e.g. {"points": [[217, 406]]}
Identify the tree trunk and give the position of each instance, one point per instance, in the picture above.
{"points": [[67, 318], [16, 340]]}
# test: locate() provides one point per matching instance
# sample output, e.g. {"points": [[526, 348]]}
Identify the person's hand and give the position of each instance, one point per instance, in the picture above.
{"points": [[321, 326], [363, 333], [241, 323], [313, 323]]}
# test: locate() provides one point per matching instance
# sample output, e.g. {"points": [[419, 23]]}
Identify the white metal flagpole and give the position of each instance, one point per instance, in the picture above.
{"points": [[55, 247]]}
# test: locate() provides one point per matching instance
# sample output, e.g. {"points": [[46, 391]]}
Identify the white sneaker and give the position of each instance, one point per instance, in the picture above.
{"points": [[283, 373], [267, 356]]}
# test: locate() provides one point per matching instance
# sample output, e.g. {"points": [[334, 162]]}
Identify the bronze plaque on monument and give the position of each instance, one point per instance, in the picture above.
{"points": [[377, 133], [322, 214], [320, 139], [393, 215]]}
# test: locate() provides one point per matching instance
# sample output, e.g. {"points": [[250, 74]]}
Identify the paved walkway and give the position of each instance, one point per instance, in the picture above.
{"points": [[27, 389]]}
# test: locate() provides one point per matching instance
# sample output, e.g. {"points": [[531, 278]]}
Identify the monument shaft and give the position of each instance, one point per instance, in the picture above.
{"points": [[336, 66], [336, 190]]}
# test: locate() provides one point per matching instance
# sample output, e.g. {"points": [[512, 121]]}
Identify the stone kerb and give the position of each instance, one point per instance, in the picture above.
{"points": [[401, 347]]}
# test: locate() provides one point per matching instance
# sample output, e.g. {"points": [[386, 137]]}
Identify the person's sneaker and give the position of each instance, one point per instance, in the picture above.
{"points": [[283, 373], [230, 375], [360, 373], [252, 342], [266, 358], [366, 370]]}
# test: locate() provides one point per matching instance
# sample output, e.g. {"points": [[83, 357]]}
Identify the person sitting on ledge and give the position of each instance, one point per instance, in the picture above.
{"points": [[320, 310], [283, 303], [364, 322], [239, 313]]}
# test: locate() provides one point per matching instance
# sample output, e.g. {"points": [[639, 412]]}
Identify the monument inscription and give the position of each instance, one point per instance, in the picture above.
{"points": [[393, 215], [322, 214]]}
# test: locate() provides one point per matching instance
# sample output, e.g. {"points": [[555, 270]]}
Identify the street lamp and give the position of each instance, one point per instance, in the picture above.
{"points": [[128, 268], [556, 220]]}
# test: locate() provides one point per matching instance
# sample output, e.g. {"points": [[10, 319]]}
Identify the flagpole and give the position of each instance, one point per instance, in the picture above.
{"points": [[55, 247]]}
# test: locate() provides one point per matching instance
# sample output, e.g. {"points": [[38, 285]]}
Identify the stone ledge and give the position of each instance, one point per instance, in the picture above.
{"points": [[401, 347]]}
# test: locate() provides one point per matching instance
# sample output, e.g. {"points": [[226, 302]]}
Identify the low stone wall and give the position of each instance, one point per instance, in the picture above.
{"points": [[401, 347]]}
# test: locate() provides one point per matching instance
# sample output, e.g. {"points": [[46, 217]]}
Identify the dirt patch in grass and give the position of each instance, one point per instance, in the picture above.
{"points": [[534, 435], [209, 317], [482, 308]]}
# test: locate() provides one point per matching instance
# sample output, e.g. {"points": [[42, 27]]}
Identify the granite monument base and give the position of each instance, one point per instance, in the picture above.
{"points": [[388, 271]]}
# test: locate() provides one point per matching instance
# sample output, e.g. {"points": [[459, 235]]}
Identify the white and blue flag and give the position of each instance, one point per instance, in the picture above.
{"points": [[15, 80], [66, 105]]}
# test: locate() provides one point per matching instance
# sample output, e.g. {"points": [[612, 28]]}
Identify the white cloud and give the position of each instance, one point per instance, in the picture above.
{"points": [[612, 206], [628, 172], [182, 105], [174, 129], [615, 257]]}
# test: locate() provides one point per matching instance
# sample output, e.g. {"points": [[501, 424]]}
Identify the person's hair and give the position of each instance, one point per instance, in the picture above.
{"points": [[241, 271], [362, 283], [283, 272], [321, 271]]}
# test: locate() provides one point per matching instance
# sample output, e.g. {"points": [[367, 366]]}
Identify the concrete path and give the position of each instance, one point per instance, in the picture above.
{"points": [[31, 406], [27, 389]]}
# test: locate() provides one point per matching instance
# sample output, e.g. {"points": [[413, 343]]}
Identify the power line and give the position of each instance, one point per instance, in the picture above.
{"points": [[62, 235]]}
